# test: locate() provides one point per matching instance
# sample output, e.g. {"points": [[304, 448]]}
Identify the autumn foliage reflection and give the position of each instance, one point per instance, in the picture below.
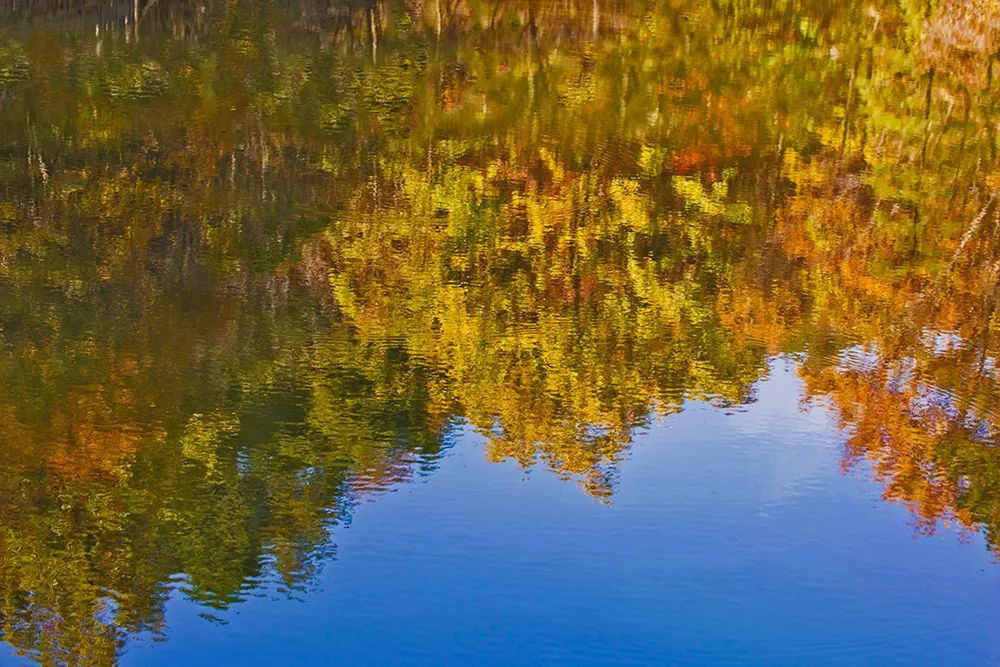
{"points": [[256, 262]]}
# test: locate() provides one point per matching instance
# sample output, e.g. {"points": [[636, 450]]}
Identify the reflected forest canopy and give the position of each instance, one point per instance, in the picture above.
{"points": [[259, 259]]}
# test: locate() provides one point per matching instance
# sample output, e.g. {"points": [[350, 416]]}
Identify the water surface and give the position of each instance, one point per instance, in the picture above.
{"points": [[590, 332]]}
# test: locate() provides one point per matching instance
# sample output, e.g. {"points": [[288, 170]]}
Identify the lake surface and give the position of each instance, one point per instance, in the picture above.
{"points": [[501, 332]]}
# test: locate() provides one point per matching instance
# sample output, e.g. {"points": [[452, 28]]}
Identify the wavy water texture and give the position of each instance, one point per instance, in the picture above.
{"points": [[257, 260]]}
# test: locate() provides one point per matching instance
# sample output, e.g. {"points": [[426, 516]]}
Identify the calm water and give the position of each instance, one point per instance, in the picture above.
{"points": [[499, 332]]}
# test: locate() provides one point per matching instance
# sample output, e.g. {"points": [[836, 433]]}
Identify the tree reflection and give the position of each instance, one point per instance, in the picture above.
{"points": [[257, 258]]}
